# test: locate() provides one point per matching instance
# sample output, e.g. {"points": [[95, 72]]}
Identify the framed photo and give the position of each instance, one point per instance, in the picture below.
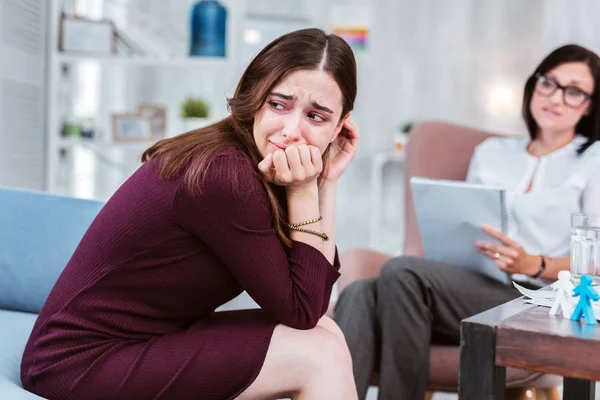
{"points": [[132, 128], [158, 118], [81, 35]]}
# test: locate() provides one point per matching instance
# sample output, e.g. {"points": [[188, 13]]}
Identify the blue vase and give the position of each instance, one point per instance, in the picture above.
{"points": [[208, 25]]}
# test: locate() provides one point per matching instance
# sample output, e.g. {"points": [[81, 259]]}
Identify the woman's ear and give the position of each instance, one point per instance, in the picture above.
{"points": [[339, 127]]}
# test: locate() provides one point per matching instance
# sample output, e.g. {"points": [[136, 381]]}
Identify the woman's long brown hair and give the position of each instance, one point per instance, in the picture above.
{"points": [[307, 49]]}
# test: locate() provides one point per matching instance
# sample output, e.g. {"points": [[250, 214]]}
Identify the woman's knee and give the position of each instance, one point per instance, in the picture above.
{"points": [[398, 268], [297, 360], [357, 295], [331, 351], [330, 363], [331, 326], [402, 275], [318, 354], [314, 349]]}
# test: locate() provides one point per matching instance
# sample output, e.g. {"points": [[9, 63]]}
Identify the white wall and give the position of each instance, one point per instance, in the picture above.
{"points": [[22, 93], [463, 61]]}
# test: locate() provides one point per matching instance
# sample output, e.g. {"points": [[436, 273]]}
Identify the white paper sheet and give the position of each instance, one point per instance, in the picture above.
{"points": [[545, 298]]}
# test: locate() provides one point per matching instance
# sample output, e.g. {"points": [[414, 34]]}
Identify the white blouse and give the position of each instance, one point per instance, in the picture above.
{"points": [[563, 183]]}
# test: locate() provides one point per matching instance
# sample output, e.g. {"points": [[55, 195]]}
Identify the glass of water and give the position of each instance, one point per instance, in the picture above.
{"points": [[585, 246]]}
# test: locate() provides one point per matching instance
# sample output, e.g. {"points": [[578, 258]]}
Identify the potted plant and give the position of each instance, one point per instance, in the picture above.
{"points": [[195, 113], [407, 127], [401, 137]]}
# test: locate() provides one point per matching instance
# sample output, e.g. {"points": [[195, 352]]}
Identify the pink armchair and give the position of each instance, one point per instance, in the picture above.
{"points": [[439, 150]]}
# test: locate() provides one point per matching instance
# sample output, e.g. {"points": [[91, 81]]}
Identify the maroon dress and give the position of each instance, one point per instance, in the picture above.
{"points": [[132, 315]]}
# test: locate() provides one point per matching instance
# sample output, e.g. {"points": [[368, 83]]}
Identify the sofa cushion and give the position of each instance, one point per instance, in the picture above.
{"points": [[16, 328], [38, 234]]}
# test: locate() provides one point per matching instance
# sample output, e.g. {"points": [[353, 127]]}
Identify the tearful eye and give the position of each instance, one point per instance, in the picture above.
{"points": [[275, 105], [316, 117]]}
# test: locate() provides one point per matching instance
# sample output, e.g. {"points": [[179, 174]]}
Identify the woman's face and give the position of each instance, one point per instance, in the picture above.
{"points": [[304, 108], [559, 110]]}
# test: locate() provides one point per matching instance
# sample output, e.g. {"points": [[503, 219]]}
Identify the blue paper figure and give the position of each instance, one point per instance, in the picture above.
{"points": [[584, 307]]}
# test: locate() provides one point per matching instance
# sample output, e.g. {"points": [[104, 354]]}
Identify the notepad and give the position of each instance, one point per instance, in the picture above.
{"points": [[450, 215]]}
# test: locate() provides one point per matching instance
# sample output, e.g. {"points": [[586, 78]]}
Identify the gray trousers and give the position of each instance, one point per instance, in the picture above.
{"points": [[391, 320]]}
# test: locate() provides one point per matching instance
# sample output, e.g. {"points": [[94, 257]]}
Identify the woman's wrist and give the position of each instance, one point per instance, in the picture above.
{"points": [[326, 188], [537, 266], [327, 197], [327, 181], [307, 190]]}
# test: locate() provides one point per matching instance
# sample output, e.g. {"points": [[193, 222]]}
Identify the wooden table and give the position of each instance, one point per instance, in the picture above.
{"points": [[522, 335]]}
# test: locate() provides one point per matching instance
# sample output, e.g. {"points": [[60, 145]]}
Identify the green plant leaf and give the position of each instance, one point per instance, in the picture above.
{"points": [[194, 107], [407, 127]]}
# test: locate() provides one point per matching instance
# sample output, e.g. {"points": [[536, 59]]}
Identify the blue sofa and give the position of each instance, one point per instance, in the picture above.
{"points": [[38, 234]]}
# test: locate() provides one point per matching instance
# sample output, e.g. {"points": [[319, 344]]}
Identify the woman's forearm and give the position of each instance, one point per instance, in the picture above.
{"points": [[327, 197], [303, 205]]}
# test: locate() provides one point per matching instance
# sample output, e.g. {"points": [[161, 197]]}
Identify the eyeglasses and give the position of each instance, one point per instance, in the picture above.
{"points": [[572, 96]]}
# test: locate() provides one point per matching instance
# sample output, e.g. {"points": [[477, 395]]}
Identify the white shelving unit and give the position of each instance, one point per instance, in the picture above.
{"points": [[118, 60], [378, 164], [100, 146], [103, 145]]}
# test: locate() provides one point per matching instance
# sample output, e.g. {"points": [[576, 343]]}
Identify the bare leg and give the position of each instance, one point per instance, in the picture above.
{"points": [[305, 364], [332, 327]]}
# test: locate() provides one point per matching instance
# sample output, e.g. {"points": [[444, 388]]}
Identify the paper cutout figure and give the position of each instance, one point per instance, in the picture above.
{"points": [[564, 291], [584, 307]]}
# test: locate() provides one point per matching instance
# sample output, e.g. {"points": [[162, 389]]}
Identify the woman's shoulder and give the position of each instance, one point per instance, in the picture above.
{"points": [[503, 143], [234, 161], [231, 170], [590, 158], [231, 155], [593, 150]]}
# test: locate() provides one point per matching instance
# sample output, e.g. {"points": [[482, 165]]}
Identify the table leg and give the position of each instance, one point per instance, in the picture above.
{"points": [[578, 389], [479, 377]]}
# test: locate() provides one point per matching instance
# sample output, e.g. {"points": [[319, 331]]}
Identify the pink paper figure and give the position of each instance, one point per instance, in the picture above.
{"points": [[584, 307], [564, 291]]}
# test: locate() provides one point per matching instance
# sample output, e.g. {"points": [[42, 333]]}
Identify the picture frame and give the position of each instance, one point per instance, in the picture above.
{"points": [[132, 128], [86, 36], [158, 117]]}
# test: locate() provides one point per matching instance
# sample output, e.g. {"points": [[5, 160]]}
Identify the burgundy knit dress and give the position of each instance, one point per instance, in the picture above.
{"points": [[132, 315]]}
